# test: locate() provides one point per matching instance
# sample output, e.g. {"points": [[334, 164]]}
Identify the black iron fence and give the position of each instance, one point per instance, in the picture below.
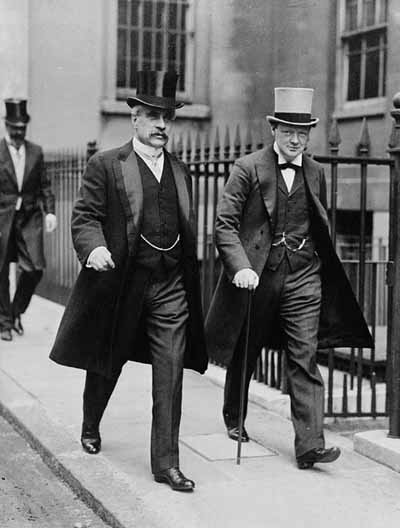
{"points": [[355, 379]]}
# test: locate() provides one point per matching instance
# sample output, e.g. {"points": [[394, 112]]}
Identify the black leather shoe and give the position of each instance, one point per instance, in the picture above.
{"points": [[18, 325], [175, 478], [6, 334], [90, 440], [233, 433], [318, 455]]}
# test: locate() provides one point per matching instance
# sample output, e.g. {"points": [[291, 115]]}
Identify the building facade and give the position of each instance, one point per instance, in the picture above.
{"points": [[75, 61]]}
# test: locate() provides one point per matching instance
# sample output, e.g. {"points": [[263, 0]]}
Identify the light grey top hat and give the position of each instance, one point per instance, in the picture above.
{"points": [[293, 107]]}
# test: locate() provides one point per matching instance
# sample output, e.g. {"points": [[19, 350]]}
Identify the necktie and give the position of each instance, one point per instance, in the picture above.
{"points": [[283, 166]]}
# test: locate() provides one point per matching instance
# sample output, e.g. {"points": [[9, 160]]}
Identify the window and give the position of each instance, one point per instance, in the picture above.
{"points": [[364, 41], [153, 35]]}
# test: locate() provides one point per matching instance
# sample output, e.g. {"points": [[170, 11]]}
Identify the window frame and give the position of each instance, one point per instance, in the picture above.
{"points": [[344, 36], [185, 95]]}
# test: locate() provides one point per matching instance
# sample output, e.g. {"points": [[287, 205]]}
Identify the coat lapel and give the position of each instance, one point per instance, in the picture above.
{"points": [[311, 177], [130, 188], [266, 173], [29, 162], [181, 187], [6, 162]]}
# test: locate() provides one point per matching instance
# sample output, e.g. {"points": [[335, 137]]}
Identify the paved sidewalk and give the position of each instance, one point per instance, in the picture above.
{"points": [[44, 401]]}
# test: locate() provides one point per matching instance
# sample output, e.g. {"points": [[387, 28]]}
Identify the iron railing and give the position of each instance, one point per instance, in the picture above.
{"points": [[355, 379]]}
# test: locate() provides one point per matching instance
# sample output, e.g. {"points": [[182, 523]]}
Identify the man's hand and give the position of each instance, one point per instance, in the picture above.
{"points": [[100, 259], [246, 278], [51, 222]]}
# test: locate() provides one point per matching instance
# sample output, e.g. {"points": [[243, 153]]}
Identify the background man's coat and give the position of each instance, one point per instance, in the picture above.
{"points": [[244, 231], [36, 199], [101, 327]]}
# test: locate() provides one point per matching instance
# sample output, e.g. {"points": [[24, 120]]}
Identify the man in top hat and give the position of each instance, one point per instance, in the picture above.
{"points": [[25, 195], [137, 296], [273, 238]]}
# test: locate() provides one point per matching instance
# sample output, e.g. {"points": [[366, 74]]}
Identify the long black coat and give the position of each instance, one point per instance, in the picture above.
{"points": [[36, 199], [100, 328], [244, 233]]}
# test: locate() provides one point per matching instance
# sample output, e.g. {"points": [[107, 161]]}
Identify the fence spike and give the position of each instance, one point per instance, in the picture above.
{"points": [[217, 145], [197, 146], [334, 137], [344, 396], [285, 386], [227, 143], [179, 146], [260, 365], [365, 143], [248, 141], [279, 369], [266, 366], [190, 148], [261, 131], [272, 382], [237, 141], [207, 145], [373, 394], [331, 367]]}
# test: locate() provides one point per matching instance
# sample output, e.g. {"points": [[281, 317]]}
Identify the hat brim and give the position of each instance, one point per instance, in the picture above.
{"points": [[164, 103], [18, 122], [276, 120]]}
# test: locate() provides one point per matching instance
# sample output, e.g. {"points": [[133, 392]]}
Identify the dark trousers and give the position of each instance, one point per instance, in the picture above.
{"points": [[292, 301], [28, 277], [165, 314]]}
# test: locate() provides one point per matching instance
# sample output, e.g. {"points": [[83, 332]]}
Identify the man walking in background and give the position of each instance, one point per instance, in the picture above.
{"points": [[273, 237], [25, 195], [138, 294]]}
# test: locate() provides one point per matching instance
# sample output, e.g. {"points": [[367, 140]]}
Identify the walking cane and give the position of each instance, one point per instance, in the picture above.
{"points": [[244, 375]]}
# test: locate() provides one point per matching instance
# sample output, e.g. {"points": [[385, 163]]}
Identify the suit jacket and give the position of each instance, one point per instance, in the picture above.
{"points": [[245, 227], [101, 327], [36, 199]]}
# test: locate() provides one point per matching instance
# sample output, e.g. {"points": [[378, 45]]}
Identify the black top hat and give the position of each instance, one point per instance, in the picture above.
{"points": [[16, 113], [155, 88]]}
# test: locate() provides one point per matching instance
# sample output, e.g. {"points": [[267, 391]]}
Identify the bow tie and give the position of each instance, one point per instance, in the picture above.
{"points": [[283, 166]]}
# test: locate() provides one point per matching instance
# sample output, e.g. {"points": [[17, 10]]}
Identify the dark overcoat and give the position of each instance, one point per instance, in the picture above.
{"points": [[101, 327], [37, 199], [244, 231]]}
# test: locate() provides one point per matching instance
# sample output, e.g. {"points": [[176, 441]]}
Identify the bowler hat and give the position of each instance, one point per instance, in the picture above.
{"points": [[155, 88], [293, 107], [16, 113]]}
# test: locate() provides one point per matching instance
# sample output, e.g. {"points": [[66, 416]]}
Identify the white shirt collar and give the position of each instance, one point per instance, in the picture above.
{"points": [[298, 160], [146, 150]]}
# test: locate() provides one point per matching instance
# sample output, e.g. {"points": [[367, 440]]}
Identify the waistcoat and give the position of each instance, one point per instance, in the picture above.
{"points": [[293, 219], [160, 222]]}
